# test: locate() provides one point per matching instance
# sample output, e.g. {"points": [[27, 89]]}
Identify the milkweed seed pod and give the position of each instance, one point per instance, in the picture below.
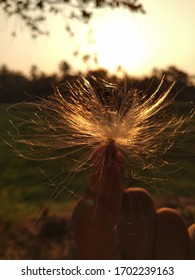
{"points": [[84, 120]]}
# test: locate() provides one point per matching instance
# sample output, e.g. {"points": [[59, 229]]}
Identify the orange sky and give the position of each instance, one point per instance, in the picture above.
{"points": [[162, 37]]}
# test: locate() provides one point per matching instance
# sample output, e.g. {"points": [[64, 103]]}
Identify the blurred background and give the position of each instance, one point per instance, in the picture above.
{"points": [[49, 42]]}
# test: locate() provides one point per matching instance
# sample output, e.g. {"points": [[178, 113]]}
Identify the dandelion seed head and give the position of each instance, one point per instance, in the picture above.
{"points": [[76, 123]]}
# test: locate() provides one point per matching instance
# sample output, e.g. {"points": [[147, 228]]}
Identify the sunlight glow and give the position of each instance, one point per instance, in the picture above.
{"points": [[138, 43], [120, 42]]}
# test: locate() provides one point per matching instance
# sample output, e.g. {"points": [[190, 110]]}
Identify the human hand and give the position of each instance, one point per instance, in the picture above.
{"points": [[113, 223]]}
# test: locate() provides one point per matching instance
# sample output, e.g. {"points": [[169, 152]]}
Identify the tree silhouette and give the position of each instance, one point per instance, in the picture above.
{"points": [[12, 85], [64, 68], [16, 87], [172, 73], [33, 13]]}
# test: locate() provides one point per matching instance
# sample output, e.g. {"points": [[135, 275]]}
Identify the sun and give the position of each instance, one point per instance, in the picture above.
{"points": [[121, 42]]}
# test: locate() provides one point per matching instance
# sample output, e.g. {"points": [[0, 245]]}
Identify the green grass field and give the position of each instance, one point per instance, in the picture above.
{"points": [[24, 190]]}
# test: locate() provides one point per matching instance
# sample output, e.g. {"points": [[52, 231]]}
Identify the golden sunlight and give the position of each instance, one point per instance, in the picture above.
{"points": [[120, 42]]}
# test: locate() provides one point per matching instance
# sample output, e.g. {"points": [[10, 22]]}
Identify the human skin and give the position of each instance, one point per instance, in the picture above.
{"points": [[111, 222], [96, 214]]}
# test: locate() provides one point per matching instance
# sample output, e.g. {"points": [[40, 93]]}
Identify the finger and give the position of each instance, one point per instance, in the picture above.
{"points": [[191, 231], [136, 224], [97, 211], [172, 238]]}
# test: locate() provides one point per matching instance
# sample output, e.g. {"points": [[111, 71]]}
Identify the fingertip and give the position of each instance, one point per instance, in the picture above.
{"points": [[171, 236], [191, 232], [136, 224]]}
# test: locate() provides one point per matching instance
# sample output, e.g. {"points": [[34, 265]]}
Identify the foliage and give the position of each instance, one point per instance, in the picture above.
{"points": [[15, 86], [33, 13], [174, 74]]}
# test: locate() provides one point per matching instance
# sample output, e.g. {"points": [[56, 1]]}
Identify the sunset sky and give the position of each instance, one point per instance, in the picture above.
{"points": [[164, 36]]}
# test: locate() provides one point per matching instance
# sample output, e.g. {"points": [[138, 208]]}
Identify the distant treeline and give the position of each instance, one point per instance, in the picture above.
{"points": [[16, 87]]}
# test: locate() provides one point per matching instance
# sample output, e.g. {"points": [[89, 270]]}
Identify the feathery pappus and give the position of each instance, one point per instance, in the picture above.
{"points": [[83, 120]]}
